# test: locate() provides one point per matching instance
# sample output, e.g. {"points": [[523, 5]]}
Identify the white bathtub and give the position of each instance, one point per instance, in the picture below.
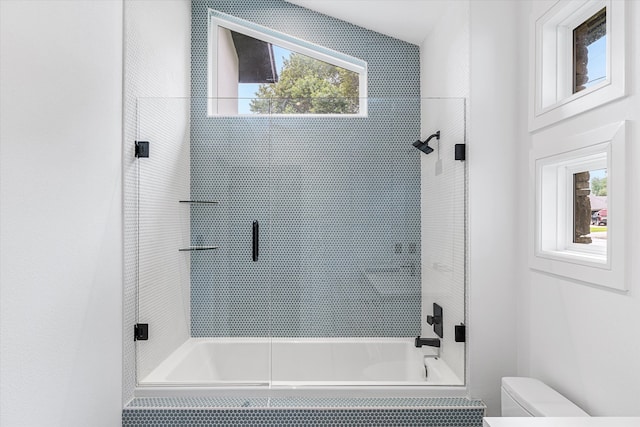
{"points": [[307, 363]]}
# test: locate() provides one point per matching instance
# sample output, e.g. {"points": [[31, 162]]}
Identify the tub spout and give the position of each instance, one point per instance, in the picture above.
{"points": [[426, 357], [431, 342]]}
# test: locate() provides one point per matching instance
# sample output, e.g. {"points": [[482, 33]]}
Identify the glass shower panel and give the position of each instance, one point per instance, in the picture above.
{"points": [[345, 243], [345, 213], [444, 222], [163, 230]]}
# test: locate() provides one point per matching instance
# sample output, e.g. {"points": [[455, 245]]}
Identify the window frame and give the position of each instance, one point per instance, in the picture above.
{"points": [[554, 159], [218, 19], [551, 52], [554, 196]]}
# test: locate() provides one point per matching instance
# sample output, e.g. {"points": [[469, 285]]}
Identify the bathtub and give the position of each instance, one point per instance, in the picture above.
{"points": [[210, 366]]}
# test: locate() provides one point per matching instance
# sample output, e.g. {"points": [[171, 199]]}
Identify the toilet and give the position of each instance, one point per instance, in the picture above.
{"points": [[528, 397]]}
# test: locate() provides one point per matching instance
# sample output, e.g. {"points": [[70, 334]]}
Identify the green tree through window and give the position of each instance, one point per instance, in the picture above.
{"points": [[309, 86], [599, 186]]}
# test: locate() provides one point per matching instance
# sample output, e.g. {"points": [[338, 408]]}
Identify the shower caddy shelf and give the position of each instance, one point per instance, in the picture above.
{"points": [[200, 202], [199, 248]]}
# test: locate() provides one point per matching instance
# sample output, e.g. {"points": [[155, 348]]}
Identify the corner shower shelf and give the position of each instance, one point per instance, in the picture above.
{"points": [[200, 202], [198, 248]]}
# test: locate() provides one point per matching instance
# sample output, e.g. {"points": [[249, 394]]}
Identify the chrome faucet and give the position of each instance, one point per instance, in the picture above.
{"points": [[435, 355], [426, 365]]}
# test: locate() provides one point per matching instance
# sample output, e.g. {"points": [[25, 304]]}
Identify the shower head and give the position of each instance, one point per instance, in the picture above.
{"points": [[424, 145]]}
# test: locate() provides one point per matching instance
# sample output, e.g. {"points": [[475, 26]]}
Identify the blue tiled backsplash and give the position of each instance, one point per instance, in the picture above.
{"points": [[337, 198]]}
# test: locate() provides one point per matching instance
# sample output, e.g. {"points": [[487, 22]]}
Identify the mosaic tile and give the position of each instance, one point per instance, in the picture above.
{"points": [[333, 195], [328, 417]]}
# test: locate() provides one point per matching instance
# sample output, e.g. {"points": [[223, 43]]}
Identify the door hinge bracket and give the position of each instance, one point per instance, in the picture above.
{"points": [[460, 333], [141, 332], [142, 149]]}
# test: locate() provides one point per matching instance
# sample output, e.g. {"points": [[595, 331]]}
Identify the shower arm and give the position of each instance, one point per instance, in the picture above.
{"points": [[435, 135]]}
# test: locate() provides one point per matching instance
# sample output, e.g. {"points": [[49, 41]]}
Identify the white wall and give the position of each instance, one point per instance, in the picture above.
{"points": [[494, 188], [583, 340], [578, 339], [157, 88], [61, 222], [444, 54], [469, 55]]}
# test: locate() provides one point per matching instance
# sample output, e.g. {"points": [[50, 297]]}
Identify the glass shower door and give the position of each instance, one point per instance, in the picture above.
{"points": [[203, 235], [297, 251], [231, 289]]}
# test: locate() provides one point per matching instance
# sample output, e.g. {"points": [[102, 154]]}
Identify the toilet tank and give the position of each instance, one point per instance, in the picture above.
{"points": [[528, 397]]}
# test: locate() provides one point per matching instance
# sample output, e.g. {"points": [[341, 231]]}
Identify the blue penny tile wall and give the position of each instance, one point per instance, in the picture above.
{"points": [[295, 411], [307, 417], [334, 196]]}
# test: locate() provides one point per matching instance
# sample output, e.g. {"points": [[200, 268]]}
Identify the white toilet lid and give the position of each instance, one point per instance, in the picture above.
{"points": [[539, 399]]}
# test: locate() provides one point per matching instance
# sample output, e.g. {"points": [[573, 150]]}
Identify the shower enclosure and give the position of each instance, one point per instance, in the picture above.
{"points": [[299, 251]]}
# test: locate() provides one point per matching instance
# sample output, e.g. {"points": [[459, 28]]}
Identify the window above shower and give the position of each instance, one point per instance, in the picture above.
{"points": [[257, 71]]}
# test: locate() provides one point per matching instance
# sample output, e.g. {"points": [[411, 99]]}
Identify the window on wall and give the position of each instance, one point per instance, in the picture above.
{"points": [[579, 206], [254, 71], [566, 205], [578, 51], [590, 52]]}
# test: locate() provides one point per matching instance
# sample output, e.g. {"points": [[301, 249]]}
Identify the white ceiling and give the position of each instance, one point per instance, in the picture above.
{"points": [[408, 20]]}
